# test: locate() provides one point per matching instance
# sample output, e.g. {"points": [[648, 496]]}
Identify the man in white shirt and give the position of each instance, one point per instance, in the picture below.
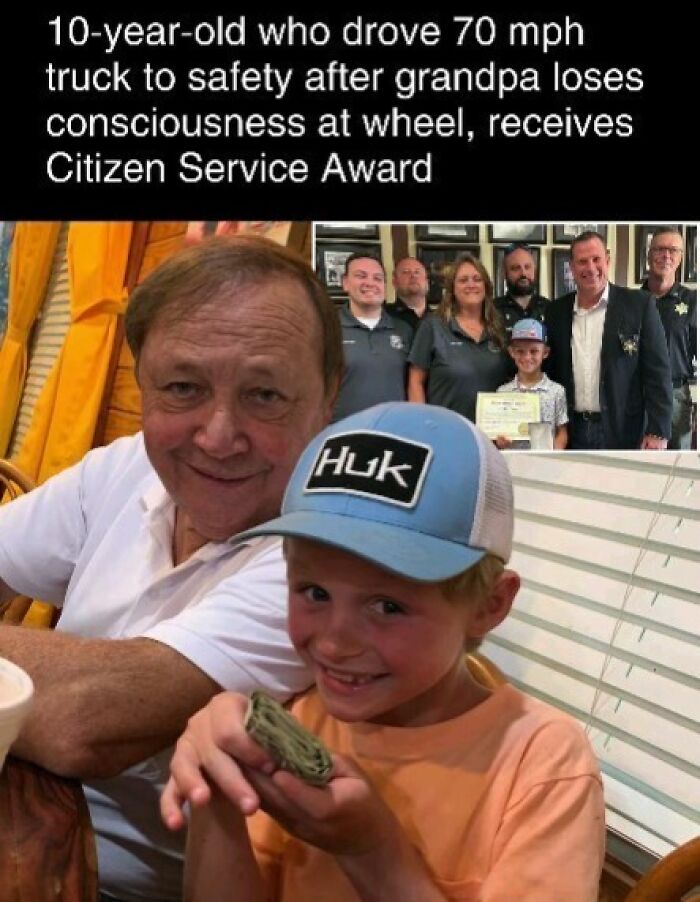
{"points": [[608, 349], [238, 357]]}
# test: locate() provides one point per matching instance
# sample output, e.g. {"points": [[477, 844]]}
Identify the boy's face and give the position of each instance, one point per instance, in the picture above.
{"points": [[381, 648], [528, 354]]}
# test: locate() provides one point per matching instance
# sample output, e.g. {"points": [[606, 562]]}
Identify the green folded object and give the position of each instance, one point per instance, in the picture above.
{"points": [[291, 746]]}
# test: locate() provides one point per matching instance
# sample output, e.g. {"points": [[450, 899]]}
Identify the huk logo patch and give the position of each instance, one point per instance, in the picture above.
{"points": [[371, 464], [396, 342]]}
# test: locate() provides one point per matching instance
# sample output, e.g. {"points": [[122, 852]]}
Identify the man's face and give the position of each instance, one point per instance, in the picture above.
{"points": [[364, 283], [232, 393], [519, 269], [410, 279], [589, 267], [665, 253]]}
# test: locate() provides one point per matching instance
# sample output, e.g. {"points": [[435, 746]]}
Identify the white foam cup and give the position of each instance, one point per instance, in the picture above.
{"points": [[16, 694], [541, 436]]}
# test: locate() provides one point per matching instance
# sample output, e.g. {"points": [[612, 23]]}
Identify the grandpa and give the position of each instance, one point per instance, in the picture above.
{"points": [[238, 357]]}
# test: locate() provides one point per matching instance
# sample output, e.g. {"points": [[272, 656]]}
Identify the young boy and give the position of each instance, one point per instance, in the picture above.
{"points": [[397, 522], [528, 348]]}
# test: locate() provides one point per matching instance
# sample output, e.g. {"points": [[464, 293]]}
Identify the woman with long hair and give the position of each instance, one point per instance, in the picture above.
{"points": [[461, 350]]}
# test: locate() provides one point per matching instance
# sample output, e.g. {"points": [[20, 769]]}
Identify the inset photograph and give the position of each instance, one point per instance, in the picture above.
{"points": [[549, 336]]}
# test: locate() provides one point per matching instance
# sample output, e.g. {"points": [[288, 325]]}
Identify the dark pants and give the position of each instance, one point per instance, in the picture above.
{"points": [[586, 432], [680, 423]]}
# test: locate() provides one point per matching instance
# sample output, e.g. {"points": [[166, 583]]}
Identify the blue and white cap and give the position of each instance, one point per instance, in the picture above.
{"points": [[530, 330], [413, 488]]}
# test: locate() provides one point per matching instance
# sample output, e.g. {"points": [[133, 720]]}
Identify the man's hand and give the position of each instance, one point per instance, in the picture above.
{"points": [[654, 443]]}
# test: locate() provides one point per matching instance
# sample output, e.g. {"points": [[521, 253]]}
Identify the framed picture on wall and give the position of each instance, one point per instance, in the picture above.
{"points": [[499, 282], [448, 231], [690, 269], [505, 232], [562, 281], [330, 261], [565, 232], [369, 230], [642, 241], [438, 260]]}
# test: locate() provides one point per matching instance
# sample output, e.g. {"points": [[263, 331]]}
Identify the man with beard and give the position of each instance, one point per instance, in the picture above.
{"points": [[410, 280], [521, 301]]}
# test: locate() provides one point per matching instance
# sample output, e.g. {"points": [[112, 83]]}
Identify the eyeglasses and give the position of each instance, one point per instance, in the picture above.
{"points": [[660, 251]]}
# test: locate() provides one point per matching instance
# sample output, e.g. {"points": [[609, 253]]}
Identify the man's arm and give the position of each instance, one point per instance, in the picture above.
{"points": [[656, 376], [102, 705]]}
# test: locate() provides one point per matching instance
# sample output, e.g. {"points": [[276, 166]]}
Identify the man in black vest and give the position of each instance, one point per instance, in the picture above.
{"points": [[410, 280], [521, 301]]}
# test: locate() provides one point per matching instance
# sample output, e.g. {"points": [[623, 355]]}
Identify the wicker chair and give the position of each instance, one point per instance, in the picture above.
{"points": [[484, 671], [677, 874]]}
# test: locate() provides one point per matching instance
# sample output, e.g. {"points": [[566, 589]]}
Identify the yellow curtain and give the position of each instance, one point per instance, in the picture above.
{"points": [[33, 247], [66, 413]]}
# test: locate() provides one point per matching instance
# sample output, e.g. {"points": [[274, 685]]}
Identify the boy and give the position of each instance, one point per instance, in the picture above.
{"points": [[528, 348], [398, 522]]}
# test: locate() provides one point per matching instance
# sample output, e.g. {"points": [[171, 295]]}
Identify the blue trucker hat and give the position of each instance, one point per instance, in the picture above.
{"points": [[413, 488], [530, 330]]}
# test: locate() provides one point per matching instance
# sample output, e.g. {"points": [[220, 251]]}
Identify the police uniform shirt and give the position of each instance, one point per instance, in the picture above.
{"points": [[678, 312], [401, 310], [512, 312], [458, 367], [375, 363]]}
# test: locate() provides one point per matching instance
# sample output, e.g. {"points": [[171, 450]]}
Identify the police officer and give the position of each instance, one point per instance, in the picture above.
{"points": [[375, 345], [520, 301], [677, 306], [410, 280]]}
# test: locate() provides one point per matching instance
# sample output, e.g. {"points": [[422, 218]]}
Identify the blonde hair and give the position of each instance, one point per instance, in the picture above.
{"points": [[473, 586]]}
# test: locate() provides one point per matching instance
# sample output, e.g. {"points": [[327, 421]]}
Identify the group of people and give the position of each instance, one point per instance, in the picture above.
{"points": [[612, 366], [164, 551]]}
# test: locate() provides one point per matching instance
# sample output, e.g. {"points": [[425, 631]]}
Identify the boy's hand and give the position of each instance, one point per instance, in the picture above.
{"points": [[204, 753], [502, 442], [347, 817]]}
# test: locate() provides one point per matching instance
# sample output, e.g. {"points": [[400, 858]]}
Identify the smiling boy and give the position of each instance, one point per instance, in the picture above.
{"points": [[528, 348], [398, 523]]}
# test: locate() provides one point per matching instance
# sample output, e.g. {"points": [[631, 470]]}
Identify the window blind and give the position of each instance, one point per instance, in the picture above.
{"points": [[47, 338], [606, 623]]}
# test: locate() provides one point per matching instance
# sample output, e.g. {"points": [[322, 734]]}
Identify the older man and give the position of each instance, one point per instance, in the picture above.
{"points": [[608, 349], [521, 300], [238, 357], [677, 306], [375, 345]]}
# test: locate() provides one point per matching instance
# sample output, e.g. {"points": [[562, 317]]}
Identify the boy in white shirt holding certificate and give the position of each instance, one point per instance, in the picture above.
{"points": [[528, 348]]}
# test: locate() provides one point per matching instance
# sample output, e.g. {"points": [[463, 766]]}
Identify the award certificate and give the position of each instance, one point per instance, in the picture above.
{"points": [[507, 413]]}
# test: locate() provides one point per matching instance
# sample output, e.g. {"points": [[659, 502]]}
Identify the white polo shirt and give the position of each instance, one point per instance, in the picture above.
{"points": [[97, 539]]}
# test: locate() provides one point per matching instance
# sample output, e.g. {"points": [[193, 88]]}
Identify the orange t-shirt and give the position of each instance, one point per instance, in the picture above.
{"points": [[504, 803]]}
